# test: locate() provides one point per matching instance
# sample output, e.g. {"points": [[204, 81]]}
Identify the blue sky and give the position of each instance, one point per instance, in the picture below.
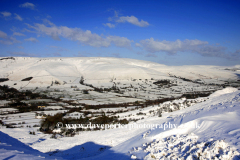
{"points": [[168, 32]]}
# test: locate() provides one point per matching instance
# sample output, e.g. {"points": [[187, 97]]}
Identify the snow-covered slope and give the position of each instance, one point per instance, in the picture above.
{"points": [[46, 70], [208, 130], [11, 148]]}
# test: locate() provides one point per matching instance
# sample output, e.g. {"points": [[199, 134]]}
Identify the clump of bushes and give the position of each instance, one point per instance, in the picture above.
{"points": [[32, 133], [49, 124]]}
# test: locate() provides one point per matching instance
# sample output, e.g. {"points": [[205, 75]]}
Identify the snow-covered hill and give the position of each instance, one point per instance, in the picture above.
{"points": [[130, 80], [46, 70], [209, 130]]}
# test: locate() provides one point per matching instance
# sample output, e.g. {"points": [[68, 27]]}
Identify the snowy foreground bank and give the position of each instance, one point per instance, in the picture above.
{"points": [[216, 135]]}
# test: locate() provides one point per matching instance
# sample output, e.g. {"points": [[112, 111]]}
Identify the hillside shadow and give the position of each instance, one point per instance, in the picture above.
{"points": [[9, 143], [88, 150], [238, 75], [14, 144]]}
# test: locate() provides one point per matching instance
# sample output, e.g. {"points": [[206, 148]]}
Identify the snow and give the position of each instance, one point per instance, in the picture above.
{"points": [[53, 112], [224, 91], [3, 103], [216, 118], [53, 107], [13, 149], [187, 147], [7, 109], [134, 79], [74, 115], [46, 70]]}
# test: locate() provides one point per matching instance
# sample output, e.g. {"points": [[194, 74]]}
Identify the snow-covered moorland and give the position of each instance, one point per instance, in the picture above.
{"points": [[195, 126], [112, 80]]}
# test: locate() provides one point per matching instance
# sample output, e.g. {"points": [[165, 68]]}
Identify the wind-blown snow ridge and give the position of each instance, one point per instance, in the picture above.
{"points": [[187, 147], [218, 119]]}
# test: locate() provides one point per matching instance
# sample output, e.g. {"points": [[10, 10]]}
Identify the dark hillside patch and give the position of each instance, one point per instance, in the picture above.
{"points": [[196, 95], [3, 79], [162, 82], [7, 58], [27, 79]]}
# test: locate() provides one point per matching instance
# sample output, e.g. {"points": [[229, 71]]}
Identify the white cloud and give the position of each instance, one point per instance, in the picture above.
{"points": [[170, 46], [6, 14], [84, 37], [119, 41], [194, 46], [18, 17], [6, 42], [211, 51], [138, 45], [235, 55], [115, 15], [31, 39], [110, 25], [6, 39], [18, 34], [3, 35], [47, 22], [27, 5], [123, 19], [133, 20]]}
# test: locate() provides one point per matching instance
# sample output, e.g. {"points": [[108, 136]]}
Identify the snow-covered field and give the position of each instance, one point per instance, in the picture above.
{"points": [[209, 130]]}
